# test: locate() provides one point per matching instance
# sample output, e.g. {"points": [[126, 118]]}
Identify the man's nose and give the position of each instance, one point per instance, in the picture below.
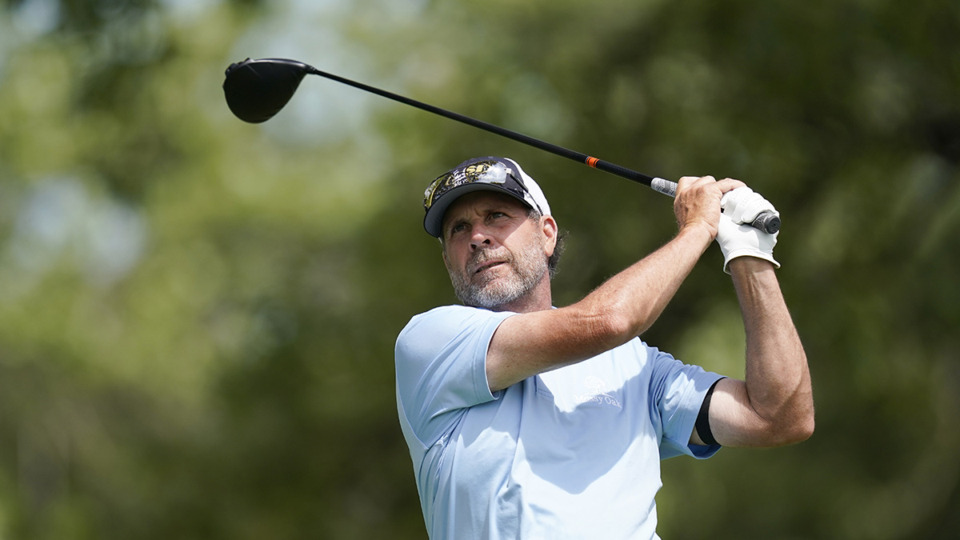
{"points": [[479, 238]]}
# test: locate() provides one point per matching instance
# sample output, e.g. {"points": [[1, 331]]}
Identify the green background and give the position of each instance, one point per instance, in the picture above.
{"points": [[197, 315]]}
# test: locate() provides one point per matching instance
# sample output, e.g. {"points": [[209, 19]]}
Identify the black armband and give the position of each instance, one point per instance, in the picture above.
{"points": [[703, 418]]}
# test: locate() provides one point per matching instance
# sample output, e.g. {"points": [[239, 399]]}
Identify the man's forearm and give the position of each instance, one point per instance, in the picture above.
{"points": [[640, 293], [617, 311]]}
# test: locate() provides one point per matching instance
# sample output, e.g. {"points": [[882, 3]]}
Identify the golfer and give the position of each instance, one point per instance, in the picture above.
{"points": [[526, 420]]}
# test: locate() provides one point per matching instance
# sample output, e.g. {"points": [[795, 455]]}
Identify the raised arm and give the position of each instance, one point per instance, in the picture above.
{"points": [[620, 309], [774, 405]]}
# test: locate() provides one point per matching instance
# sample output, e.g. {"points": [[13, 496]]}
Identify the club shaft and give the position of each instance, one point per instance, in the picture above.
{"points": [[766, 221], [492, 128]]}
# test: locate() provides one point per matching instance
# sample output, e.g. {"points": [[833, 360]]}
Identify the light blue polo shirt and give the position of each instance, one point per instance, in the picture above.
{"points": [[570, 453]]}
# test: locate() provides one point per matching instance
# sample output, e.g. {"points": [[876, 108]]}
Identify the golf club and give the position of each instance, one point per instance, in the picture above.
{"points": [[256, 90]]}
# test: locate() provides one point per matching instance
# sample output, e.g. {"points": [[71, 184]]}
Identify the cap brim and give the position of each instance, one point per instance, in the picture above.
{"points": [[433, 221]]}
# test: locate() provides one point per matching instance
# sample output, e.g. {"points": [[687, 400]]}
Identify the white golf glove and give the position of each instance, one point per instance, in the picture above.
{"points": [[735, 235]]}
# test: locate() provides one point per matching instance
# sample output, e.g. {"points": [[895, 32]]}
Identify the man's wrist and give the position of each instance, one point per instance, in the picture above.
{"points": [[747, 263], [698, 231]]}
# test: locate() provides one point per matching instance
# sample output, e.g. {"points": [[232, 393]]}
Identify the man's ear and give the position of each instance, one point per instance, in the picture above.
{"points": [[550, 230]]}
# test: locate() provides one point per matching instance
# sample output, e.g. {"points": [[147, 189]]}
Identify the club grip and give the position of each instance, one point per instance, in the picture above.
{"points": [[765, 221]]}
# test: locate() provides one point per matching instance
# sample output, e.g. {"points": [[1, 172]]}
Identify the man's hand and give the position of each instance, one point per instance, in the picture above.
{"points": [[735, 236], [697, 202]]}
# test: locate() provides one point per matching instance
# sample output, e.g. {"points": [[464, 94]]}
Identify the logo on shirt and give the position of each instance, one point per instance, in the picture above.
{"points": [[596, 392]]}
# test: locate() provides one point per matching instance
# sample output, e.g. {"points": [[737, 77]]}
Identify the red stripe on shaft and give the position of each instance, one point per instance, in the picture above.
{"points": [[592, 161]]}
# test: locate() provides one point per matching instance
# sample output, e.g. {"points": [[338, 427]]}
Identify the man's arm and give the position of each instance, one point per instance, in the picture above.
{"points": [[620, 309], [774, 405]]}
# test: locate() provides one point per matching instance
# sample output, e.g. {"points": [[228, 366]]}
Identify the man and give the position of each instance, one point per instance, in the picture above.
{"points": [[529, 421]]}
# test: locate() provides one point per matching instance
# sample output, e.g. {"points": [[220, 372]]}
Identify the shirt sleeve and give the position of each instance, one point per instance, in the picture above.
{"points": [[441, 367], [677, 390]]}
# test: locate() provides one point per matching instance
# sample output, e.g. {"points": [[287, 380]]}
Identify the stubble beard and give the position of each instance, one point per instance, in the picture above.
{"points": [[528, 267]]}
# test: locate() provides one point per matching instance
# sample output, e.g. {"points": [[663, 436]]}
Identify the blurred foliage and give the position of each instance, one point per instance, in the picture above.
{"points": [[197, 315]]}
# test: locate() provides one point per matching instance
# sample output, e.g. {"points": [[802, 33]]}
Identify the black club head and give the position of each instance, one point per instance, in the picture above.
{"points": [[256, 90]]}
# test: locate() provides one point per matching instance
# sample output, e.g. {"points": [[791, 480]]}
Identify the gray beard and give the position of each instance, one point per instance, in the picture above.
{"points": [[529, 267]]}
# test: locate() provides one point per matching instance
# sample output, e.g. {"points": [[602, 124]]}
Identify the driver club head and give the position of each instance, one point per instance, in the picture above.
{"points": [[256, 90]]}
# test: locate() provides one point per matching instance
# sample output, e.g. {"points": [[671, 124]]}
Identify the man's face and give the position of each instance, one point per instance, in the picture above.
{"points": [[495, 254]]}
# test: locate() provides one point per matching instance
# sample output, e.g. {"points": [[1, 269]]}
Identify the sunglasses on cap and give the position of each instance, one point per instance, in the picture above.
{"points": [[478, 171]]}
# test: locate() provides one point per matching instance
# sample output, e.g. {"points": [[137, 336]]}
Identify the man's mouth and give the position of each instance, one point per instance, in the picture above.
{"points": [[487, 265]]}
